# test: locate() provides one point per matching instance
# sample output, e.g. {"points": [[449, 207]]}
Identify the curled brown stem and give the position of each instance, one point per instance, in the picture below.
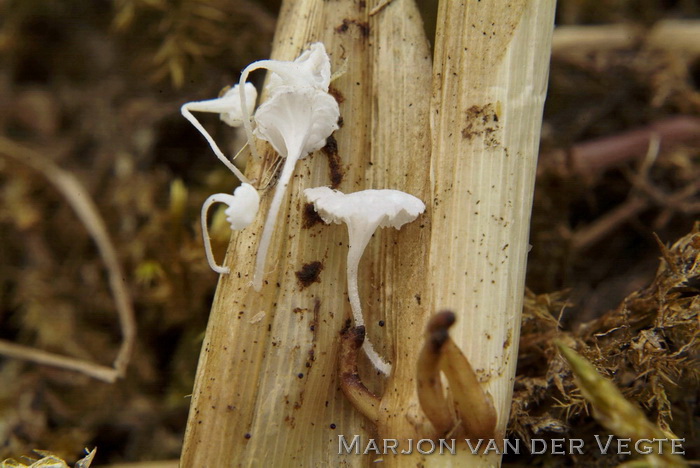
{"points": [[474, 406], [361, 397], [431, 394]]}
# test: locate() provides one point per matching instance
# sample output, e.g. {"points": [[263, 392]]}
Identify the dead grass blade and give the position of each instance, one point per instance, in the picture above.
{"points": [[79, 199]]}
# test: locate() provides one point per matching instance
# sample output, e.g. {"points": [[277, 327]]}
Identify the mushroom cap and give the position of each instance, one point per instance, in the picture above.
{"points": [[242, 206], [382, 208], [227, 105], [311, 69], [297, 120], [233, 114]]}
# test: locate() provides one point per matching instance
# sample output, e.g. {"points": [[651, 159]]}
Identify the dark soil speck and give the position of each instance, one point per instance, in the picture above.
{"points": [[309, 273]]}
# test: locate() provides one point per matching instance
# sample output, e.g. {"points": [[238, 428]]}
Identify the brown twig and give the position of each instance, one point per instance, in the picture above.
{"points": [[474, 406], [431, 394], [682, 200], [379, 7], [27, 353], [78, 198], [643, 195], [361, 397], [670, 35], [595, 156], [601, 227], [666, 254]]}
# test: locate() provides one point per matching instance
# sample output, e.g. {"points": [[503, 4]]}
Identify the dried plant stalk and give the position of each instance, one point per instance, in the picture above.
{"points": [[490, 76], [267, 389], [676, 35], [77, 197]]}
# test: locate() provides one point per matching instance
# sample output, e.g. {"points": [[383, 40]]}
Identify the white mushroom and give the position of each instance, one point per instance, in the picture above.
{"points": [[229, 107], [241, 211], [297, 119], [364, 212], [312, 69]]}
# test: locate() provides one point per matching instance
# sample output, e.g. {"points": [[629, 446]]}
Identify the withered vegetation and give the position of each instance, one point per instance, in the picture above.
{"points": [[97, 90], [649, 346], [72, 88]]}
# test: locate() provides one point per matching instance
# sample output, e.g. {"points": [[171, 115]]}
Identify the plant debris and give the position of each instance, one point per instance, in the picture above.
{"points": [[649, 346]]}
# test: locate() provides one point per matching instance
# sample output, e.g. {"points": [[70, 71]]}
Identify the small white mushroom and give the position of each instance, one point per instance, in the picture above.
{"points": [[241, 211], [229, 107], [364, 212], [312, 69], [297, 118]]}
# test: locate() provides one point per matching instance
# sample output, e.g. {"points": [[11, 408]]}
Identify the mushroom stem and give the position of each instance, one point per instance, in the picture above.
{"points": [[378, 362], [358, 239], [216, 198], [244, 110], [186, 113], [271, 219]]}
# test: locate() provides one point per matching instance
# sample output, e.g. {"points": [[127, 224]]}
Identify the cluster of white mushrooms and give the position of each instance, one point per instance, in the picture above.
{"points": [[296, 119]]}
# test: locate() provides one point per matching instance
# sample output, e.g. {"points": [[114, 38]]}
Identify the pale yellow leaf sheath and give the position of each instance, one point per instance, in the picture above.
{"points": [[268, 388]]}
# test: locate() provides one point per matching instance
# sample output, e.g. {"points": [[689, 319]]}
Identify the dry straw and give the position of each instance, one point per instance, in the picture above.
{"points": [[78, 198], [461, 135]]}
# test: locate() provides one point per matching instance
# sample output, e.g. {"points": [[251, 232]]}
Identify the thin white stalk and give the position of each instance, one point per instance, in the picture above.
{"points": [[271, 219], [358, 240], [186, 113], [216, 198], [378, 362]]}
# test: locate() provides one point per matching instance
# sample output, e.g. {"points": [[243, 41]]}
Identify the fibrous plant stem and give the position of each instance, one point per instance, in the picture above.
{"points": [[268, 389], [489, 81]]}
